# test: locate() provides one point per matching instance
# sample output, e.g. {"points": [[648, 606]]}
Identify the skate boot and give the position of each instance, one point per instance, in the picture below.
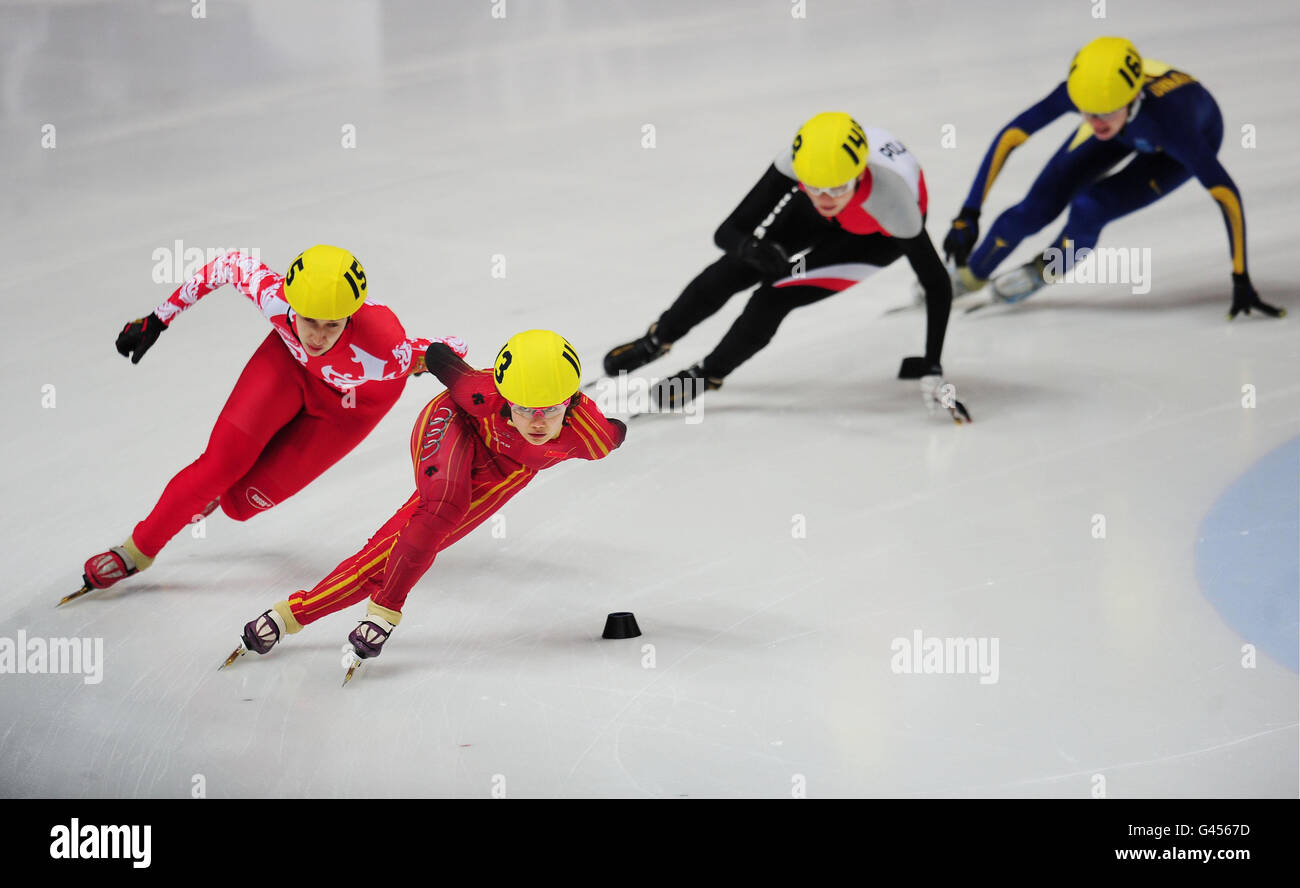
{"points": [[262, 634], [1020, 283], [635, 354], [680, 389], [118, 563], [369, 636], [107, 568], [367, 640]]}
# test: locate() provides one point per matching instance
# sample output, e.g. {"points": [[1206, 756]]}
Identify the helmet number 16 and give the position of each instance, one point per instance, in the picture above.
{"points": [[1134, 66]]}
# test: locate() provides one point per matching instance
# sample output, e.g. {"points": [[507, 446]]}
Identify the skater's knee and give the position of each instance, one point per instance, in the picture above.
{"points": [[765, 309], [1088, 211], [243, 502], [440, 509], [238, 513], [1029, 216], [723, 279]]}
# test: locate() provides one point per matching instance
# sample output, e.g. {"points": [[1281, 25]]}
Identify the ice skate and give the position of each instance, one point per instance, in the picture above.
{"points": [[636, 354], [1020, 283], [681, 388], [367, 640], [260, 635], [106, 568]]}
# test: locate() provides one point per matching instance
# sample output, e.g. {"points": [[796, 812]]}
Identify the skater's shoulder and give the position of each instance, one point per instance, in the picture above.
{"points": [[595, 433], [1172, 94], [375, 320]]}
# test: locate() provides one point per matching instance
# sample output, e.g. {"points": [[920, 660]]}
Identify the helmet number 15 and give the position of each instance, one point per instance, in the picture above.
{"points": [[356, 278]]}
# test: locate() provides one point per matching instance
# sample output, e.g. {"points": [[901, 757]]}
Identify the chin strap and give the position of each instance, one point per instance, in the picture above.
{"points": [[1133, 109]]}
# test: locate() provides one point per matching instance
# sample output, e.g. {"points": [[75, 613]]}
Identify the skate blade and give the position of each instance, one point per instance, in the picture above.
{"points": [[235, 655], [352, 669], [75, 595], [984, 304]]}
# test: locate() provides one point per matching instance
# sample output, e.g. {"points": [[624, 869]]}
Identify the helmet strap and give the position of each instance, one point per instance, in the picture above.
{"points": [[1133, 108]]}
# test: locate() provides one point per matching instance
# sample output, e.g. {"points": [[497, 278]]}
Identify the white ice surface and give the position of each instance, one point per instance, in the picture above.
{"points": [[522, 137]]}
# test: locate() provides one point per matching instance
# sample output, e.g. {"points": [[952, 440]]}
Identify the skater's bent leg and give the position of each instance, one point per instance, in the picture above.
{"points": [[330, 427], [443, 450], [1076, 163], [831, 267], [1143, 182], [229, 454], [756, 326], [351, 581], [704, 295], [264, 399]]}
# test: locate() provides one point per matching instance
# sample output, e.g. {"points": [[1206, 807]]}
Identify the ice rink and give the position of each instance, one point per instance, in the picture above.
{"points": [[1118, 527]]}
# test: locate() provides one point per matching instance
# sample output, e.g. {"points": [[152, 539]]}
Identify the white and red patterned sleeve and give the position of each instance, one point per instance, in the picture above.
{"points": [[410, 352], [247, 274]]}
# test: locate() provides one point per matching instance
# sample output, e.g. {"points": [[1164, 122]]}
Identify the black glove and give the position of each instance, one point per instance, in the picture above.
{"points": [[138, 336], [1244, 298], [765, 256], [962, 236]]}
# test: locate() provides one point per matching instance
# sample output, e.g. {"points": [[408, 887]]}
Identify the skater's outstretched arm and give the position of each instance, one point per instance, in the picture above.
{"points": [[963, 235], [246, 274], [250, 277], [1012, 136], [934, 280]]}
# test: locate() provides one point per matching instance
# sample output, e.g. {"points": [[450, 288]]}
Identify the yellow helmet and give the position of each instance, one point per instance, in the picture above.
{"points": [[537, 368], [829, 150], [1105, 75], [325, 283]]}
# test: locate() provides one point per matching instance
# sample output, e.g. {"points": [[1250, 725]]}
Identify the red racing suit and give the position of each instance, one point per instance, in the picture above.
{"points": [[468, 460], [290, 416]]}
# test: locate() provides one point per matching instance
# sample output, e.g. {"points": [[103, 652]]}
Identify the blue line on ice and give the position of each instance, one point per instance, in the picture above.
{"points": [[1248, 557]]}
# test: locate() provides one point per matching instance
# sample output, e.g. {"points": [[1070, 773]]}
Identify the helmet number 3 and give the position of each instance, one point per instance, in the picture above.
{"points": [[1134, 67], [506, 358]]}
